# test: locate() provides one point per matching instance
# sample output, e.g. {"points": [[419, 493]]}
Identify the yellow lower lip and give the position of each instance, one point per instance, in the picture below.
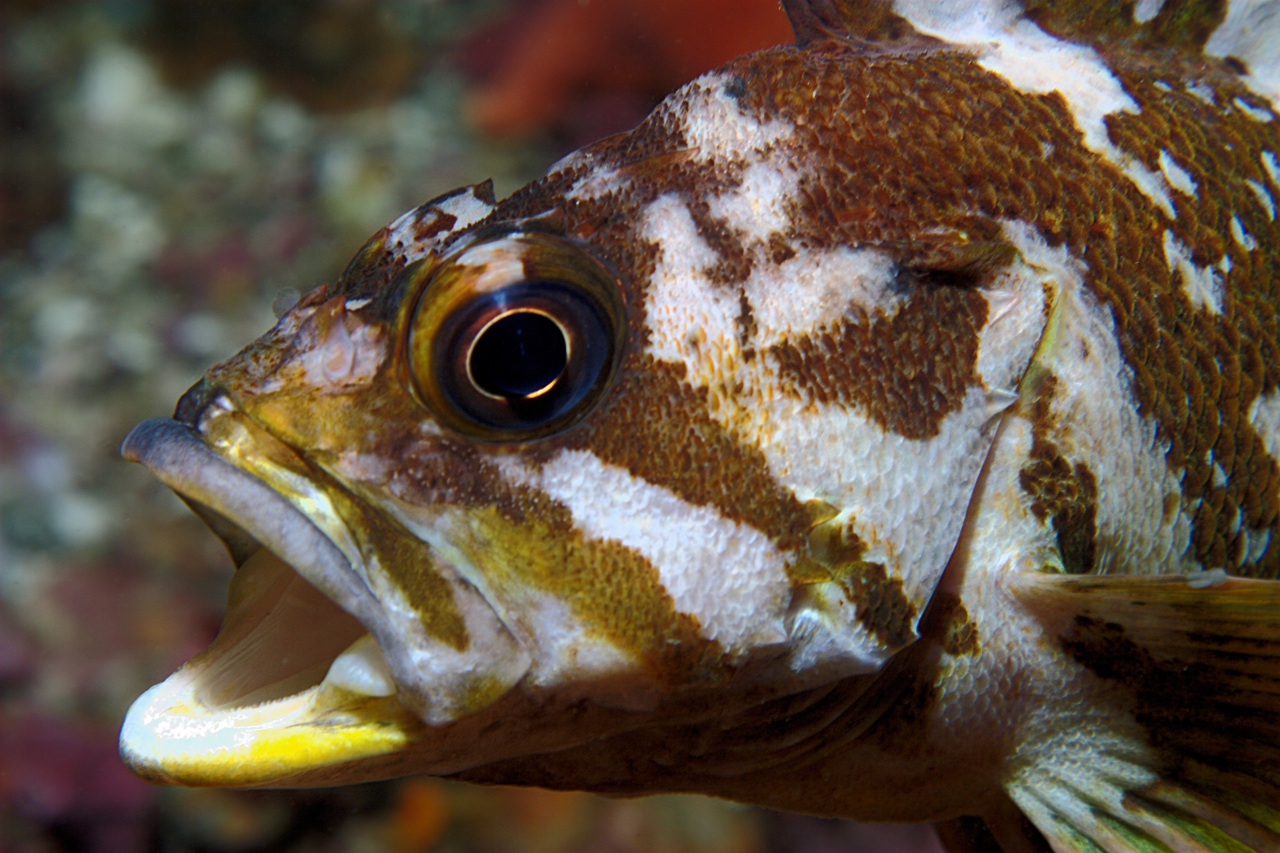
{"points": [[169, 736], [256, 708]]}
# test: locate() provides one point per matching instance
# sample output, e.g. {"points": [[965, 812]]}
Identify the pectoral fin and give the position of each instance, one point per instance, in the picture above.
{"points": [[1194, 764]]}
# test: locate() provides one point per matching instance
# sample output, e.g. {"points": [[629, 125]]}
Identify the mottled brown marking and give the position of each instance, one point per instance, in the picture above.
{"points": [[1196, 373], [1061, 493], [779, 251], [747, 328], [883, 608], [733, 264], [907, 372], [896, 148], [1067, 496], [1179, 23]]}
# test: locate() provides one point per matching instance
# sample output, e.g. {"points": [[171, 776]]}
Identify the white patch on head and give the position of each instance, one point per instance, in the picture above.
{"points": [[343, 357], [564, 650], [1243, 238], [356, 304], [1202, 285], [1256, 113], [1273, 168], [1031, 60], [758, 207], [716, 128], [1176, 175], [690, 320], [1264, 198], [464, 205], [1250, 33], [728, 575], [815, 289], [437, 678], [1146, 10]]}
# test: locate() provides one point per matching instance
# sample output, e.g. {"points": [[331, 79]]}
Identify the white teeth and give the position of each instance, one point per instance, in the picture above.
{"points": [[362, 669]]}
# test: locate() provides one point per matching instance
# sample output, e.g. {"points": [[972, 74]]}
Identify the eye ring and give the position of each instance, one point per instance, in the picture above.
{"points": [[486, 385], [513, 337]]}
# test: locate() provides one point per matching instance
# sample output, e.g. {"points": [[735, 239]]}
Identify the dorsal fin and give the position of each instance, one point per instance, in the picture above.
{"points": [[870, 22]]}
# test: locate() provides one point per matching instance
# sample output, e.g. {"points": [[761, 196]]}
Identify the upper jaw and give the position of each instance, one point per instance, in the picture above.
{"points": [[310, 680]]}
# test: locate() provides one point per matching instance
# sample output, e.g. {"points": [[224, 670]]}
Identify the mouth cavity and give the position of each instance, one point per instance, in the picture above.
{"points": [[281, 637], [294, 683]]}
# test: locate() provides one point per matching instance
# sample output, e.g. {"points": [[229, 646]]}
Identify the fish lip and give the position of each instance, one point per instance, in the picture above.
{"points": [[169, 734], [175, 453]]}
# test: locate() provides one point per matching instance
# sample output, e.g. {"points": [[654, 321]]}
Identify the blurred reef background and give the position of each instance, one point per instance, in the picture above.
{"points": [[168, 169]]}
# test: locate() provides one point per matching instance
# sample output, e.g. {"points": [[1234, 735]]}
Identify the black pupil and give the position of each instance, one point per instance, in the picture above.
{"points": [[518, 355]]}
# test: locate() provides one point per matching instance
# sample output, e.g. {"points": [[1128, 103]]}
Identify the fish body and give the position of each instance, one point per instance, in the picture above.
{"points": [[886, 427]]}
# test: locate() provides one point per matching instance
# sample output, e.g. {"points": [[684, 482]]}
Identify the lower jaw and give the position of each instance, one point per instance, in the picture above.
{"points": [[292, 691]]}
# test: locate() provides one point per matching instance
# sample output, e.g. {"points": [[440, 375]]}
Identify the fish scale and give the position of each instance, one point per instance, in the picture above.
{"points": [[911, 451]]}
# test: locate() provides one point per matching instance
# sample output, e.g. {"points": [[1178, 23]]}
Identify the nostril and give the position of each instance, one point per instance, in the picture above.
{"points": [[193, 403]]}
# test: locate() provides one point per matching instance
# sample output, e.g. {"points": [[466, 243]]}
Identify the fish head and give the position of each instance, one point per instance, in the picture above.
{"points": [[645, 453]]}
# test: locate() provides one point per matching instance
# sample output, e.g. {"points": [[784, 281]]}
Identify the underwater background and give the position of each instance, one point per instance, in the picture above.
{"points": [[168, 170]]}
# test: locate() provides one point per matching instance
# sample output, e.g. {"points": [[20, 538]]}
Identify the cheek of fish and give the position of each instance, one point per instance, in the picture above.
{"points": [[887, 427]]}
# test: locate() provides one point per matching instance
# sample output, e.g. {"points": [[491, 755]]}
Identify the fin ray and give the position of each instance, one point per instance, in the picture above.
{"points": [[1197, 767]]}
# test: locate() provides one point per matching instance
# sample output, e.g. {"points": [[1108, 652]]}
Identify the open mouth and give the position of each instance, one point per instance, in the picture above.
{"points": [[294, 682]]}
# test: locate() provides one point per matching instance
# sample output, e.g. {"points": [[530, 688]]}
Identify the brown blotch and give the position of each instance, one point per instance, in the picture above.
{"points": [[959, 633], [1066, 495], [907, 371], [883, 607]]}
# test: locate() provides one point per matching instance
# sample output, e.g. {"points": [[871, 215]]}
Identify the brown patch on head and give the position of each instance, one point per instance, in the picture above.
{"points": [[907, 371], [614, 591], [411, 566], [733, 264], [657, 427]]}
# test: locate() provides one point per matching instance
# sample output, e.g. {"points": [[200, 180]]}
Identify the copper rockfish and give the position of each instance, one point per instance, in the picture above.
{"points": [[886, 427]]}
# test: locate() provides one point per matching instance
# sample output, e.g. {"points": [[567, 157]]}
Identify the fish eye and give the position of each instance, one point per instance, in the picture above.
{"points": [[514, 338]]}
